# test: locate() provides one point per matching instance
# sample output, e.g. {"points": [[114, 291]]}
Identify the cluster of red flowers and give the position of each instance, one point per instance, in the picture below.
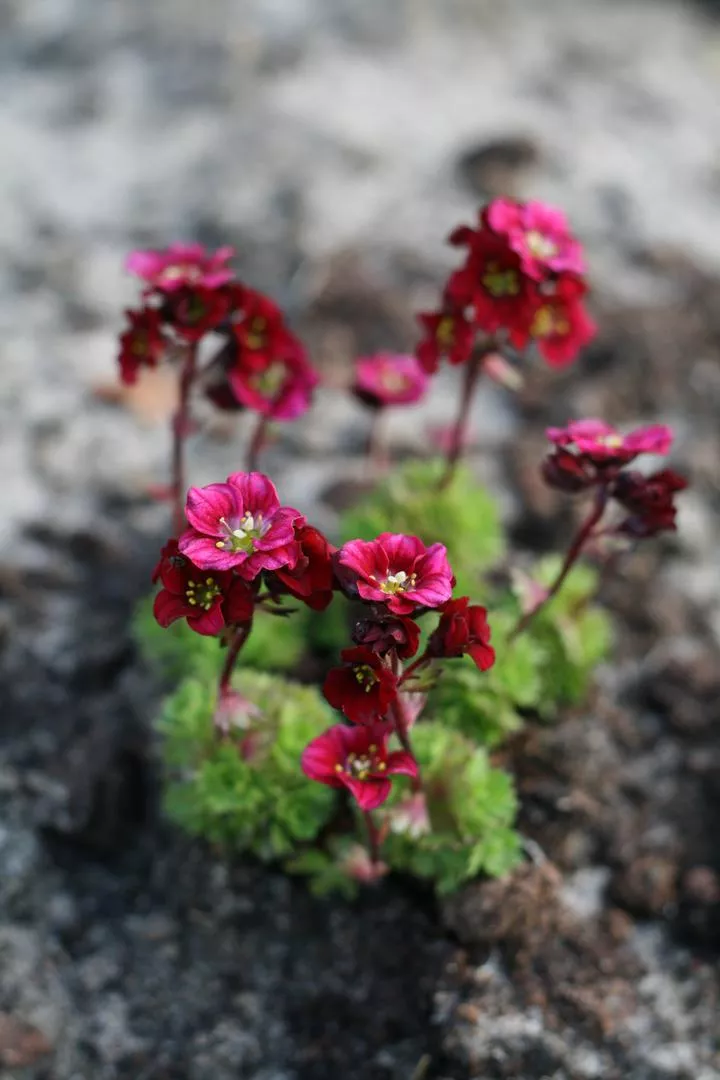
{"points": [[399, 580], [522, 281], [591, 454], [190, 293], [239, 534]]}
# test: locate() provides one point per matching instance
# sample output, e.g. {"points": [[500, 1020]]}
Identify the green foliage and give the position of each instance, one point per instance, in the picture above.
{"points": [[276, 643], [246, 792], [463, 516], [471, 807], [547, 667]]}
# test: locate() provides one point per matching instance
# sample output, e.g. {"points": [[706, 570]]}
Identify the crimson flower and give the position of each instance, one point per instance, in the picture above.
{"points": [[603, 445], [463, 629], [559, 324], [240, 524], [364, 689], [209, 602], [448, 334], [196, 310], [494, 283], [539, 234], [181, 265], [650, 500], [384, 632], [312, 578], [142, 344], [357, 758], [398, 571], [389, 379]]}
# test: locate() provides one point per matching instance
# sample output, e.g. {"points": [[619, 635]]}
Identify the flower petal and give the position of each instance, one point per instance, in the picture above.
{"points": [[255, 492], [205, 506], [168, 607], [370, 793], [402, 763]]}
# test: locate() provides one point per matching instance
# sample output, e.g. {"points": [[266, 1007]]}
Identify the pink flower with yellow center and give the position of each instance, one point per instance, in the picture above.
{"points": [[389, 379], [397, 570], [181, 265], [357, 758], [240, 525]]}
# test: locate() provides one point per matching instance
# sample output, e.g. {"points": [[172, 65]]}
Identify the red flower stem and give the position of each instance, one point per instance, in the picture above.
{"points": [[473, 368], [237, 641], [401, 730], [180, 424], [373, 838], [257, 443], [575, 550], [421, 661], [376, 449]]}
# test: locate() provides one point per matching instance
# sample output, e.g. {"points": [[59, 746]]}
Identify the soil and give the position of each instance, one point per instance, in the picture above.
{"points": [[127, 950]]}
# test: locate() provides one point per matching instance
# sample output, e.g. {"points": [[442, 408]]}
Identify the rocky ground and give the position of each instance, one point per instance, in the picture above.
{"points": [[334, 145]]}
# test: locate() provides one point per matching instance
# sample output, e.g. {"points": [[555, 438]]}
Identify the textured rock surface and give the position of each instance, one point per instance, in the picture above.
{"points": [[335, 144]]}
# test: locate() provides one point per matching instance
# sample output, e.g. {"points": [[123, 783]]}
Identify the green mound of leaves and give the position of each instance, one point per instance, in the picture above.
{"points": [[471, 809], [276, 643], [548, 667], [462, 516], [245, 792]]}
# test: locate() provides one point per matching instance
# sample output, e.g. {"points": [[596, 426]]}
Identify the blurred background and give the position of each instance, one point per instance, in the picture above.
{"points": [[334, 144]]}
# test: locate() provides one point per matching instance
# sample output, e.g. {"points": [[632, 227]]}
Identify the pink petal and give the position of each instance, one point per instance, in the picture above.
{"points": [[255, 492], [654, 439], [203, 552], [401, 550], [205, 506]]}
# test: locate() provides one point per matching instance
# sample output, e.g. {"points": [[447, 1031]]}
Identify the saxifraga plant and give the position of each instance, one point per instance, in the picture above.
{"points": [[421, 692]]}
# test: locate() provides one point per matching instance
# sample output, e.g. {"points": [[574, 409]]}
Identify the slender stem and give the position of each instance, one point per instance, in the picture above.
{"points": [[180, 424], [237, 641], [473, 368], [373, 838], [421, 661], [401, 730], [257, 443], [574, 551], [376, 448]]}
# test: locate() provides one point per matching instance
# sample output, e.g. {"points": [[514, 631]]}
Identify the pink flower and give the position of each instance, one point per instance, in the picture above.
{"points": [[240, 524], [494, 283], [559, 323], [357, 758], [539, 234], [602, 444], [209, 602], [398, 571], [181, 264], [389, 379]]}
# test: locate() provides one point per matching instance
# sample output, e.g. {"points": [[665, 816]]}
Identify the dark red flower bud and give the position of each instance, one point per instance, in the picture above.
{"points": [[650, 500], [311, 579], [568, 472], [387, 632], [463, 628]]}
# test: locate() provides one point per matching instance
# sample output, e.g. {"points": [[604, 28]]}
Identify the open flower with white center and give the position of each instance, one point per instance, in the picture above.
{"points": [[240, 525], [397, 570]]}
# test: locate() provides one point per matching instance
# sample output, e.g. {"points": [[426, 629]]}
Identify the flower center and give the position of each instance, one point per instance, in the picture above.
{"points": [[179, 272], [269, 383], [362, 765], [250, 528], [393, 381], [202, 593], [365, 676], [398, 583], [141, 344], [613, 442], [445, 332], [499, 282], [256, 333], [547, 322], [539, 245]]}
